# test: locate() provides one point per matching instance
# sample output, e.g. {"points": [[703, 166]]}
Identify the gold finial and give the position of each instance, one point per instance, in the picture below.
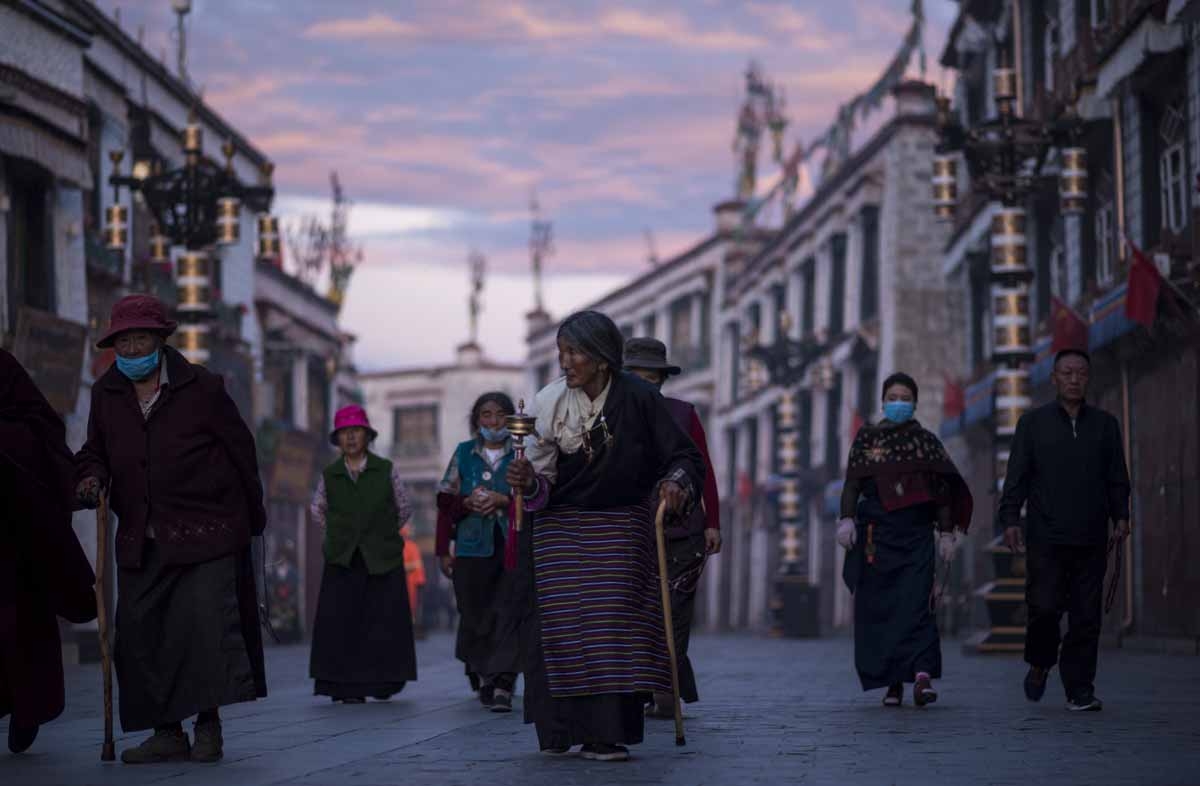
{"points": [[116, 156]]}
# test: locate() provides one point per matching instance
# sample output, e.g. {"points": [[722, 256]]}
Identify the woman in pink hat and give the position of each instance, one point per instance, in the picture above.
{"points": [[363, 633], [180, 467]]}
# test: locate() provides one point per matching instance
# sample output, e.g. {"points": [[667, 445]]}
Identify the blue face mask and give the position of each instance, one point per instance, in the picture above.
{"points": [[493, 435], [138, 369], [898, 411]]}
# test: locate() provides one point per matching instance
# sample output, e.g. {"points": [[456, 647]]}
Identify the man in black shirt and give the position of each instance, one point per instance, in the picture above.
{"points": [[1067, 466]]}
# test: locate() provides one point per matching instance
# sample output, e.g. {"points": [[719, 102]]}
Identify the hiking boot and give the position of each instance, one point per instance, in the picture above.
{"points": [[209, 746], [1085, 702], [605, 752], [21, 737], [923, 692], [894, 696], [1035, 683], [164, 745], [502, 701]]}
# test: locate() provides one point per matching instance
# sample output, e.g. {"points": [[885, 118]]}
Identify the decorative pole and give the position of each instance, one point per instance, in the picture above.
{"points": [[478, 266], [541, 245]]}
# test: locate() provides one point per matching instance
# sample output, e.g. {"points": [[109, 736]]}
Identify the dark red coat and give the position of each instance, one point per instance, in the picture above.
{"points": [[708, 517], [44, 572], [190, 469]]}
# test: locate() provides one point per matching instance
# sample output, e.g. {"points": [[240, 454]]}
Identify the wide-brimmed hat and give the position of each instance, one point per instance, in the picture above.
{"points": [[349, 417], [137, 312], [650, 354]]}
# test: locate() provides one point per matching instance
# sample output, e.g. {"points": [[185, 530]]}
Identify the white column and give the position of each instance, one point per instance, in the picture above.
{"points": [[300, 391], [821, 281], [696, 315], [854, 250]]}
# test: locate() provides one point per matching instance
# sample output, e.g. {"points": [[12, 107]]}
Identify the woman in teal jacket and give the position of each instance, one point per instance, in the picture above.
{"points": [[473, 511]]}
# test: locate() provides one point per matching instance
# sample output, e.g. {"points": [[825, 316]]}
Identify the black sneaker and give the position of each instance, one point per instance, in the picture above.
{"points": [[894, 696], [1035, 683], [605, 752], [502, 701], [1085, 702]]}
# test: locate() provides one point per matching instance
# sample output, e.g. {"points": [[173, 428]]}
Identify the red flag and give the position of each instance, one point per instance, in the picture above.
{"points": [[745, 488], [1141, 298], [954, 397], [1069, 330]]}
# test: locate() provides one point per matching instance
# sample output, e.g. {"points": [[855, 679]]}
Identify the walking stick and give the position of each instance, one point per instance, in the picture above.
{"points": [[668, 625], [108, 752]]}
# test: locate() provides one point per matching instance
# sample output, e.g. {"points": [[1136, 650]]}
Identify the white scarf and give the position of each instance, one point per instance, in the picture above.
{"points": [[563, 415]]}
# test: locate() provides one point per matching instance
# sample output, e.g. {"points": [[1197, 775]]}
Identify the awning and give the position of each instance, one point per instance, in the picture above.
{"points": [[1183, 11], [1108, 319], [1151, 37], [22, 139]]}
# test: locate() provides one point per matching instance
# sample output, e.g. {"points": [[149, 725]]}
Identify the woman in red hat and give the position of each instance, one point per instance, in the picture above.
{"points": [[180, 467], [363, 633]]}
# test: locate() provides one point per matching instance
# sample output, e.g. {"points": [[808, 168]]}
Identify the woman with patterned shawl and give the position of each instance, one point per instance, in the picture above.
{"points": [[592, 639], [900, 486]]}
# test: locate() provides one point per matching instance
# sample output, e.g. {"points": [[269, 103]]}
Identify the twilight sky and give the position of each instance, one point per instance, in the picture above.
{"points": [[442, 116]]}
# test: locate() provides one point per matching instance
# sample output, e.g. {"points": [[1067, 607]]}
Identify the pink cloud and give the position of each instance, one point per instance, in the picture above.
{"points": [[372, 26]]}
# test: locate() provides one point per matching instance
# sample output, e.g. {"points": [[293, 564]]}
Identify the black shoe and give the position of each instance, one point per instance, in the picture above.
{"points": [[1085, 702], [502, 701], [1035, 683], [487, 695], [894, 696], [21, 737], [605, 752], [473, 678], [352, 700]]}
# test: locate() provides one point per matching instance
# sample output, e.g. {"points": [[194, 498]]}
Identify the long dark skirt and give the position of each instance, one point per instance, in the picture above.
{"points": [[486, 644], [685, 563], [363, 633], [895, 633], [562, 713], [187, 638]]}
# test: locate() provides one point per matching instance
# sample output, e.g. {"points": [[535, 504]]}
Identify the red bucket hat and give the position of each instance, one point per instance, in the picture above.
{"points": [[137, 312], [348, 417]]}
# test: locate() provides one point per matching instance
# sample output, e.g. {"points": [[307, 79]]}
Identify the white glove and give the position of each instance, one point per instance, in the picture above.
{"points": [[947, 544], [847, 533]]}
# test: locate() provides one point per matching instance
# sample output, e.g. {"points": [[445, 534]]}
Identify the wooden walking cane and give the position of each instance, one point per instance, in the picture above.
{"points": [[668, 625], [109, 751]]}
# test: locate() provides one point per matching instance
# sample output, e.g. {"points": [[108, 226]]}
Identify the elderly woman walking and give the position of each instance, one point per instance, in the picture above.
{"points": [[473, 501], [594, 648], [900, 486], [169, 443], [363, 633]]}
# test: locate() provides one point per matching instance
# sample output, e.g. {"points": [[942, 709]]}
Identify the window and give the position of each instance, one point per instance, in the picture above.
{"points": [[30, 261], [1172, 176], [681, 326], [318, 396], [837, 287], [779, 300], [1105, 230], [833, 426], [868, 306], [651, 326], [808, 317], [415, 431], [1099, 13]]}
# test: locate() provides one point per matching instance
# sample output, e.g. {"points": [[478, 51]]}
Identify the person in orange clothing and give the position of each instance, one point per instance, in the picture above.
{"points": [[414, 569]]}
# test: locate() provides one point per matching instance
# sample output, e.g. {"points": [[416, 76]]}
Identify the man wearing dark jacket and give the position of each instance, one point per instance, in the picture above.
{"points": [[689, 542], [44, 572], [181, 464], [1067, 466]]}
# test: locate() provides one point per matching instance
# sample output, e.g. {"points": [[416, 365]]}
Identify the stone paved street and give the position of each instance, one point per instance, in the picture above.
{"points": [[771, 712]]}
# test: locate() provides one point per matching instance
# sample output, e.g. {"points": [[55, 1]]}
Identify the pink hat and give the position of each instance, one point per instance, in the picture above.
{"points": [[348, 417], [137, 312]]}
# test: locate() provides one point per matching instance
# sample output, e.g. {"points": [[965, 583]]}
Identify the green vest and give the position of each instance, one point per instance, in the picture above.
{"points": [[362, 515]]}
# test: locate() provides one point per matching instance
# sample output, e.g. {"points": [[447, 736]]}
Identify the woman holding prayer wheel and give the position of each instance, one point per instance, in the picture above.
{"points": [[593, 642]]}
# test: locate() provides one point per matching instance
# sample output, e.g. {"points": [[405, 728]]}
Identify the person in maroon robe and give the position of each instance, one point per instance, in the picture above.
{"points": [[691, 541], [44, 573]]}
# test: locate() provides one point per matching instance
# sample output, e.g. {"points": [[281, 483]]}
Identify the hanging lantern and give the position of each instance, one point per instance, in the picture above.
{"points": [[1008, 242], [268, 237], [945, 186], [1013, 399], [1004, 88], [160, 248], [116, 227], [1072, 181], [191, 339], [193, 284], [229, 220], [1010, 320]]}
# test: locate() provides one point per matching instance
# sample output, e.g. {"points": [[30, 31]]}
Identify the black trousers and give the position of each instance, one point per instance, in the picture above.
{"points": [[1071, 579]]}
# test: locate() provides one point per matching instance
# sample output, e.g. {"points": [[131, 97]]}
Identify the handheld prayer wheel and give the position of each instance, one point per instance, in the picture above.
{"points": [[520, 426]]}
